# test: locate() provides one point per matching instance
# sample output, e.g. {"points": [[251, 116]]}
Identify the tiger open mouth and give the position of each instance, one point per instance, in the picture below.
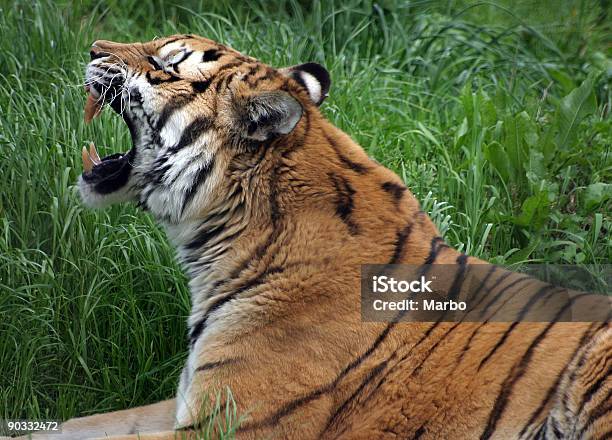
{"points": [[109, 173]]}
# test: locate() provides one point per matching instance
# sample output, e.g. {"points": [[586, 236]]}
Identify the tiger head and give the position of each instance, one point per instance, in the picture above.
{"points": [[198, 112]]}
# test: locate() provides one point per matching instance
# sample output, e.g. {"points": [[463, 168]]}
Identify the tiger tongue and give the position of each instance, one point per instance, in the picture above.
{"points": [[92, 108]]}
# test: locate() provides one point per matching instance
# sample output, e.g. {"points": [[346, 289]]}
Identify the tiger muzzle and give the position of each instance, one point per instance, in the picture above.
{"points": [[105, 84]]}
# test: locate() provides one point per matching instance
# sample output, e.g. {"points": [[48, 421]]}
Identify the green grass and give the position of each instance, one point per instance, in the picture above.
{"points": [[496, 115]]}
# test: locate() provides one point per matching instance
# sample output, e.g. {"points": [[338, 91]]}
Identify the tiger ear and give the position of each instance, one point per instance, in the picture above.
{"points": [[313, 77], [268, 114]]}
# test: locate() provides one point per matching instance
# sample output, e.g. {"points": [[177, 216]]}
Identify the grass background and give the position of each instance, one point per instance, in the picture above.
{"points": [[496, 114]]}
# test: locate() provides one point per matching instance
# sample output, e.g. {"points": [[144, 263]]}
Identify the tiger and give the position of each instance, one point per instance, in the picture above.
{"points": [[272, 211]]}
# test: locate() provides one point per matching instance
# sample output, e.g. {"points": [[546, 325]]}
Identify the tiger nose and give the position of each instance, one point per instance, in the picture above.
{"points": [[103, 48], [97, 53]]}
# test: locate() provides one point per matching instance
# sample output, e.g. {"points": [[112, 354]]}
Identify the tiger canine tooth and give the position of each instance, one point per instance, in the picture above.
{"points": [[87, 162], [92, 108], [93, 154]]}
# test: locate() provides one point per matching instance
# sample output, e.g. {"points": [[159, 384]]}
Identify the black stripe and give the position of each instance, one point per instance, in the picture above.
{"points": [[158, 171], [475, 307], [499, 280], [590, 392], [524, 311], [356, 167], [490, 272], [514, 283], [196, 330], [268, 75], [579, 366], [502, 291], [437, 244], [200, 86], [474, 294], [228, 78], [192, 132], [209, 230], [552, 390], [172, 41], [517, 372], [344, 202], [248, 77], [500, 342], [556, 429], [541, 434], [158, 81], [191, 427], [212, 365], [340, 410], [185, 55], [400, 243], [199, 327], [354, 364], [247, 285], [287, 409], [220, 302], [204, 236], [419, 432], [203, 173], [169, 109], [548, 288], [466, 346], [195, 256], [229, 66], [210, 55], [432, 349], [348, 163], [396, 190], [604, 407], [152, 61], [218, 81], [260, 250], [471, 296], [455, 288]]}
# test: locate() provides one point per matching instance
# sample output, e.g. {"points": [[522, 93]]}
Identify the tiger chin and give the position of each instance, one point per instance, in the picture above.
{"points": [[273, 210]]}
